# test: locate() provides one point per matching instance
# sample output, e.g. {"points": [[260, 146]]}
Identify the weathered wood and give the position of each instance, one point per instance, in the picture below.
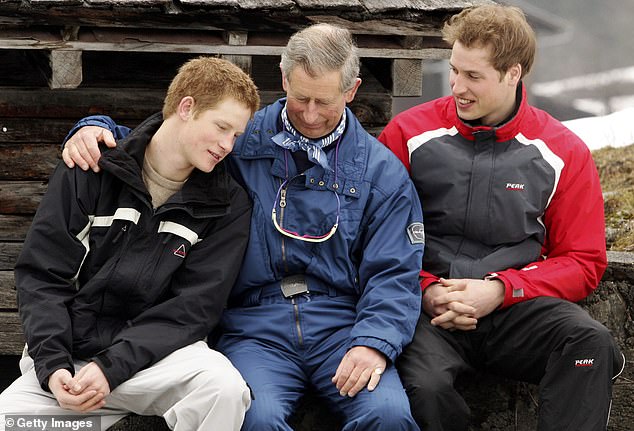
{"points": [[14, 228], [44, 130], [9, 252], [238, 38], [194, 42], [42, 103], [11, 336], [27, 161], [7, 291], [21, 197], [323, 4], [66, 69], [407, 77]]}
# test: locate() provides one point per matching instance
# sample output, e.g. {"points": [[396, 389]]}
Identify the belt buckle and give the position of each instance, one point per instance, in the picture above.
{"points": [[293, 285]]}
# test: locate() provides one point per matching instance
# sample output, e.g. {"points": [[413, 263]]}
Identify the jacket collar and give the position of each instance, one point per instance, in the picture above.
{"points": [[503, 131], [352, 158], [202, 195]]}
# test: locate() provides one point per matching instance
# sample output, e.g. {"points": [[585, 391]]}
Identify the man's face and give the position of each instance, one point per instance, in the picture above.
{"points": [[479, 90], [208, 137], [315, 105]]}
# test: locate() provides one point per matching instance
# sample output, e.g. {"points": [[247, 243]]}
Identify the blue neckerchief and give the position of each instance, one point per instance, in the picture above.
{"points": [[291, 139]]}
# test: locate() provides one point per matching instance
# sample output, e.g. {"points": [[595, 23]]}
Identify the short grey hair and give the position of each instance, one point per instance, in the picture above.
{"points": [[323, 48]]}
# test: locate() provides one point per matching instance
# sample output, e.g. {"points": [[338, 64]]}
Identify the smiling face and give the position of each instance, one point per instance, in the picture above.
{"points": [[481, 92], [315, 104], [208, 136]]}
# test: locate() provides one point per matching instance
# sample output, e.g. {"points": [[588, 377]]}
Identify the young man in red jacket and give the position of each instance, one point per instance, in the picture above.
{"points": [[514, 236]]}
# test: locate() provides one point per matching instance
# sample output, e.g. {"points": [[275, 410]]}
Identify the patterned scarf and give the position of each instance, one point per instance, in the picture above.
{"points": [[291, 139]]}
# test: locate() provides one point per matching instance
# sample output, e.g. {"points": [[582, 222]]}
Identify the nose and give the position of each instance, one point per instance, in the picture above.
{"points": [[456, 84], [226, 143], [310, 113]]}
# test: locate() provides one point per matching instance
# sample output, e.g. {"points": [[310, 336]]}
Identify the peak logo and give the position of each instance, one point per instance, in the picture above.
{"points": [[584, 362], [180, 251], [514, 186]]}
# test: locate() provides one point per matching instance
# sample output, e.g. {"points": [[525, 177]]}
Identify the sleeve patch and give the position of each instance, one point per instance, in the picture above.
{"points": [[416, 233]]}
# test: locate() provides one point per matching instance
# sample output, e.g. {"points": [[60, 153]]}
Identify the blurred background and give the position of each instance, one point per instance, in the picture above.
{"points": [[584, 67]]}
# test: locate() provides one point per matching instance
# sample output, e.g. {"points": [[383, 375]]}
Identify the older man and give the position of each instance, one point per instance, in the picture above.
{"points": [[328, 294]]}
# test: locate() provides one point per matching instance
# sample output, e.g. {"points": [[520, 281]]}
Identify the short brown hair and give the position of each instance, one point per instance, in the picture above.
{"points": [[210, 80], [503, 28]]}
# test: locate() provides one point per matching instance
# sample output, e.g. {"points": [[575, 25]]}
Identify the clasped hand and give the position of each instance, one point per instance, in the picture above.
{"points": [[83, 393], [457, 304]]}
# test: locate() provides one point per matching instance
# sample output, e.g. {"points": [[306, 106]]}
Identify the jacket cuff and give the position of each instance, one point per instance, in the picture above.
{"points": [[387, 349], [44, 372]]}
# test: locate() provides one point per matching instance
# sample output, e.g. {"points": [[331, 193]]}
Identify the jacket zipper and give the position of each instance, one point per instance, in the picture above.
{"points": [[282, 207], [300, 336]]}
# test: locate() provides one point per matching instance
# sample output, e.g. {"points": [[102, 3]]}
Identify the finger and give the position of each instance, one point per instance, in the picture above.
{"points": [[74, 402], [86, 155], [361, 382], [351, 381], [375, 378], [67, 159], [446, 317], [465, 323], [75, 155], [462, 308], [342, 374], [107, 138], [94, 403], [73, 386]]}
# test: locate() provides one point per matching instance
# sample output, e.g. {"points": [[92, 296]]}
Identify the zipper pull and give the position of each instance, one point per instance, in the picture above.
{"points": [[282, 198], [118, 236]]}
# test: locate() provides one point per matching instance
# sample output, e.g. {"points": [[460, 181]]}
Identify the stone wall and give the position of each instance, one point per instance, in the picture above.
{"points": [[502, 405]]}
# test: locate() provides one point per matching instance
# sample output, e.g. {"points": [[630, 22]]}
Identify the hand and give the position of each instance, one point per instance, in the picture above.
{"points": [[81, 401], [359, 367], [482, 296], [83, 147], [431, 306]]}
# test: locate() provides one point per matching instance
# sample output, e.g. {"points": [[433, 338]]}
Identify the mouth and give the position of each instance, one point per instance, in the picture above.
{"points": [[215, 156], [464, 102]]}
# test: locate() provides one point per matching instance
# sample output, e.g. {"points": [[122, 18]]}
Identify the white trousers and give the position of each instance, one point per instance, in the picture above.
{"points": [[194, 388]]}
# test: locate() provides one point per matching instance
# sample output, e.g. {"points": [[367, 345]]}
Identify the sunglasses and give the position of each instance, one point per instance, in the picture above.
{"points": [[280, 199]]}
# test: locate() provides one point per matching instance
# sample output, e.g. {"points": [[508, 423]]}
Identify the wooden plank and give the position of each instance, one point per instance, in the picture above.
{"points": [[205, 44], [254, 5], [20, 197], [129, 3], [11, 336], [136, 103], [9, 252], [407, 77], [66, 69], [238, 38], [328, 4], [28, 161], [379, 6], [8, 298], [14, 228], [15, 130]]}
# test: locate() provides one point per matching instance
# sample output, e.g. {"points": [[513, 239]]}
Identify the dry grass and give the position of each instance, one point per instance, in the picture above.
{"points": [[616, 170]]}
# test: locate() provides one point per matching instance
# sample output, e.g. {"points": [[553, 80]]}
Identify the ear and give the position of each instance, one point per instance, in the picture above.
{"points": [[349, 95], [284, 80], [514, 74], [186, 108]]}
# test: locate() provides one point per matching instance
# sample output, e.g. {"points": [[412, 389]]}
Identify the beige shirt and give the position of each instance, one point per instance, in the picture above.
{"points": [[160, 188]]}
